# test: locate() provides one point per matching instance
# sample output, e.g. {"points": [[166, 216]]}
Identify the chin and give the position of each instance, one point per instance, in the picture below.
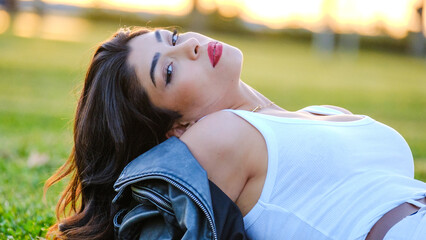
{"points": [[237, 52], [239, 62], [232, 62], [237, 57]]}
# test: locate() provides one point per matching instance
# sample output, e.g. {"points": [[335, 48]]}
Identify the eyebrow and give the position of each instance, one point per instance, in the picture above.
{"points": [[153, 64], [158, 36]]}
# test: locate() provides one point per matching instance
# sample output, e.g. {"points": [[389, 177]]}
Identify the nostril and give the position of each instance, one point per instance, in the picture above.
{"points": [[196, 49]]}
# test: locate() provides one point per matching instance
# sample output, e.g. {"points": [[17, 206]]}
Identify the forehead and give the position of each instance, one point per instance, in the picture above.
{"points": [[148, 41], [142, 51], [141, 46]]}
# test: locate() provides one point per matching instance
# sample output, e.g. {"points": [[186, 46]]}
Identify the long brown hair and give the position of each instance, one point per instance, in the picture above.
{"points": [[114, 123]]}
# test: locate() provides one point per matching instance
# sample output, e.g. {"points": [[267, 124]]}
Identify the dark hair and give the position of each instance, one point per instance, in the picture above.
{"points": [[114, 123]]}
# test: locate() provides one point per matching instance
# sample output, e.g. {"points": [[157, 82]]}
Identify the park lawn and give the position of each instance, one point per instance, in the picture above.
{"points": [[40, 80]]}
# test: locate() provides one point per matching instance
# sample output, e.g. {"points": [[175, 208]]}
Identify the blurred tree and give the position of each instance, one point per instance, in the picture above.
{"points": [[39, 6], [324, 41], [417, 41], [198, 20], [349, 43], [11, 6]]}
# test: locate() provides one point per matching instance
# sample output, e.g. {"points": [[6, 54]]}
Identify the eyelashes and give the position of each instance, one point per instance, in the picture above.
{"points": [[169, 72], [169, 68], [175, 37]]}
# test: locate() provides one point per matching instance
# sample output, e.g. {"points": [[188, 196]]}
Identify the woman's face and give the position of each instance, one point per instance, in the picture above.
{"points": [[189, 73]]}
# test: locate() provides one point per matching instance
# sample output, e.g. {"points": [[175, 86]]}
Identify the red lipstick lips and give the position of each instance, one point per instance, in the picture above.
{"points": [[215, 51]]}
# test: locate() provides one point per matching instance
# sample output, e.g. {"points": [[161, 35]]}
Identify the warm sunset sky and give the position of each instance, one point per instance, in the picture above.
{"points": [[362, 16]]}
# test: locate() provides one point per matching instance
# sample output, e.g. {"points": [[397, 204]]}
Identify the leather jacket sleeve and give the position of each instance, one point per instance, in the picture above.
{"points": [[165, 194], [160, 211], [228, 217]]}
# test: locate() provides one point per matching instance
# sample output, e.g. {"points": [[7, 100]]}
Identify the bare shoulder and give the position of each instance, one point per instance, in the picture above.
{"points": [[221, 128], [218, 134], [222, 142]]}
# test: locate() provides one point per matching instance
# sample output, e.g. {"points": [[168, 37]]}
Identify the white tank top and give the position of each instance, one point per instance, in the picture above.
{"points": [[329, 180]]}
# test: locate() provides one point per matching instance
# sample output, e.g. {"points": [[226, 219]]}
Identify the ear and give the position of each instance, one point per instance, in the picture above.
{"points": [[178, 129]]}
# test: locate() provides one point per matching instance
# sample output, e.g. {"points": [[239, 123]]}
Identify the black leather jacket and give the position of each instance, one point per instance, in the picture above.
{"points": [[165, 194]]}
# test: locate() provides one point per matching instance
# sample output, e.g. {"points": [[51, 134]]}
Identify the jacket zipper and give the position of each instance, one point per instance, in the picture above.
{"points": [[187, 192]]}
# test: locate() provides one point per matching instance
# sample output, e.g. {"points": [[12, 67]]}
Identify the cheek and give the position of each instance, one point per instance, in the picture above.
{"points": [[187, 94]]}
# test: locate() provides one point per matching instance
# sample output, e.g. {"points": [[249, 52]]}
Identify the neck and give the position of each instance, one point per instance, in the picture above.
{"points": [[248, 98], [243, 98]]}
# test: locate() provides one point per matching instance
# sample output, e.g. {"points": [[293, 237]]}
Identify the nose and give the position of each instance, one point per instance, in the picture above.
{"points": [[189, 48]]}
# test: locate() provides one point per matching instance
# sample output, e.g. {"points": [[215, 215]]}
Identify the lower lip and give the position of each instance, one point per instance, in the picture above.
{"points": [[215, 51]]}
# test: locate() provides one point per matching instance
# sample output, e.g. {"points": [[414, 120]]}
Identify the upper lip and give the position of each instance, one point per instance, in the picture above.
{"points": [[214, 50]]}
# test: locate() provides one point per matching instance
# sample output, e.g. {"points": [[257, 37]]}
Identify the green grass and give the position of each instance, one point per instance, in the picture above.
{"points": [[40, 79]]}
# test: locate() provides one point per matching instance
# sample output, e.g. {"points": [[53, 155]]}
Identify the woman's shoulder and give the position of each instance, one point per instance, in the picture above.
{"points": [[218, 126], [222, 143], [218, 132]]}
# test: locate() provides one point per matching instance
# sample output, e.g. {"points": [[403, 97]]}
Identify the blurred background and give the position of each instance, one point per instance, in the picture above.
{"points": [[368, 56]]}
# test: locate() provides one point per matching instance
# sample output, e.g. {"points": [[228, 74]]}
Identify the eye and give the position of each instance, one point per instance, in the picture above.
{"points": [[169, 72], [175, 37]]}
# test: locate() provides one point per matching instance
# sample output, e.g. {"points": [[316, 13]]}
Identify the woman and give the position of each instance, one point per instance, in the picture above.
{"points": [[317, 173]]}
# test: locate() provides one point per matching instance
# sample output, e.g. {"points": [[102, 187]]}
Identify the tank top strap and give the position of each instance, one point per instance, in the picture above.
{"points": [[323, 110], [417, 203]]}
